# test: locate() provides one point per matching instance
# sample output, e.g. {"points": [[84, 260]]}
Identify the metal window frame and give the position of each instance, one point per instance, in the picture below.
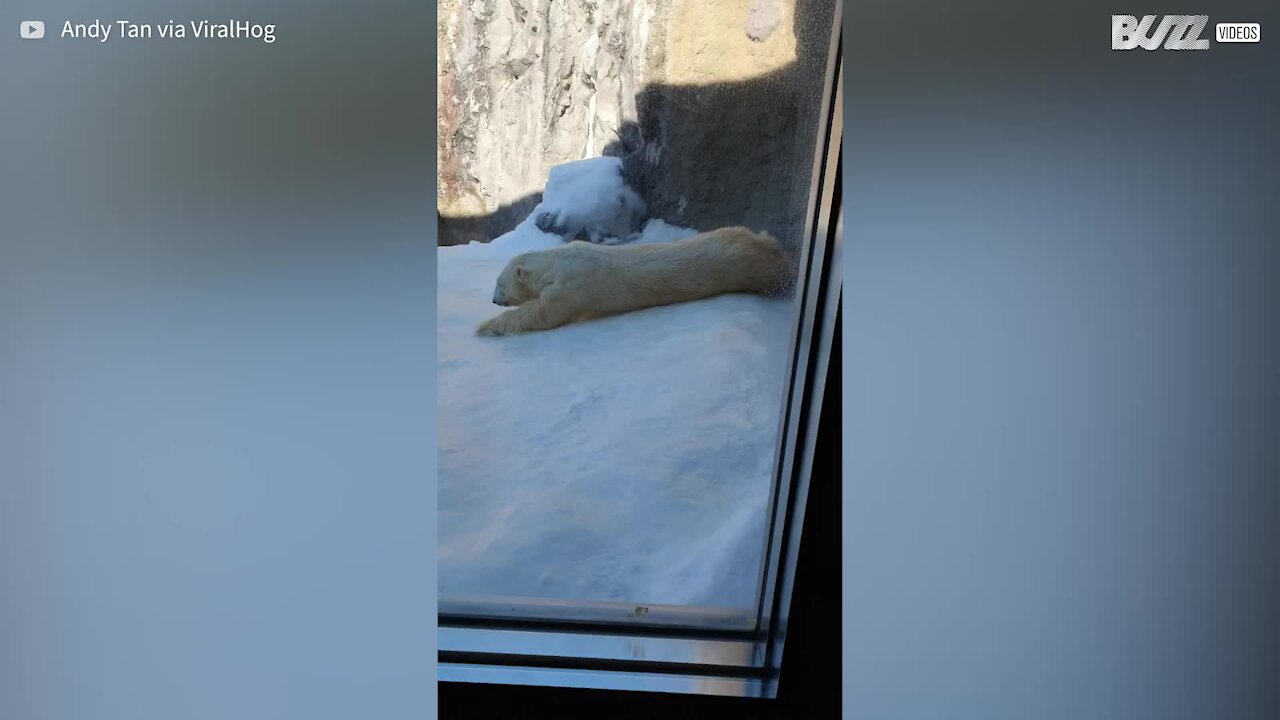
{"points": [[680, 649]]}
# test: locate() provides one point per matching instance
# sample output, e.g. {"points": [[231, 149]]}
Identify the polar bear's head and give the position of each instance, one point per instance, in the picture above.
{"points": [[513, 286]]}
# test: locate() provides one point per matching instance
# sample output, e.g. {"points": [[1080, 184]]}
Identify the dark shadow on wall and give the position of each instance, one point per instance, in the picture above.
{"points": [[738, 153], [462, 229], [708, 156]]}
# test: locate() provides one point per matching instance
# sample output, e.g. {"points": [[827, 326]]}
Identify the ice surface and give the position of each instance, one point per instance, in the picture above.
{"points": [[624, 459]]}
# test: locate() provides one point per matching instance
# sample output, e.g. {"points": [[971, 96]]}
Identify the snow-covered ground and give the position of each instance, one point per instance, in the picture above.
{"points": [[624, 459]]}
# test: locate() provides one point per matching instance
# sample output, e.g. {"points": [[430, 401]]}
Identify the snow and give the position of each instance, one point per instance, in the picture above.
{"points": [[624, 459], [590, 196]]}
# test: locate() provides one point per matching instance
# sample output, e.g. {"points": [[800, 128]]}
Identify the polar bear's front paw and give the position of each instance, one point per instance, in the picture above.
{"points": [[493, 327]]}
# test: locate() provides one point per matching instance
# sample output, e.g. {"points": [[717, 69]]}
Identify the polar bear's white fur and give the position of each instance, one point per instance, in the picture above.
{"points": [[550, 288]]}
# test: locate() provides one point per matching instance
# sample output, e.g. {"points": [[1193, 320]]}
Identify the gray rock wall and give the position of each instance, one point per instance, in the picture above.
{"points": [[713, 103]]}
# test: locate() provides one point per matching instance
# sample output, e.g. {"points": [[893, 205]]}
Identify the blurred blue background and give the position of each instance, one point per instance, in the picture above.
{"points": [[1061, 393], [217, 493]]}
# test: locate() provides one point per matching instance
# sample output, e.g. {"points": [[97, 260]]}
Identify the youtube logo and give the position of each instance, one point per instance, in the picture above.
{"points": [[31, 29]]}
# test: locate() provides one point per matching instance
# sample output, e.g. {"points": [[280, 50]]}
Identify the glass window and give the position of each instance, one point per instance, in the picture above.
{"points": [[611, 420]]}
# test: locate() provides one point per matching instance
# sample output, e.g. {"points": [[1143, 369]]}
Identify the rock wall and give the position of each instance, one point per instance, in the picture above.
{"points": [[712, 103]]}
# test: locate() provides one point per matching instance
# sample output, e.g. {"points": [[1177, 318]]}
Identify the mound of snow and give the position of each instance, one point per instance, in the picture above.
{"points": [[623, 459], [588, 199]]}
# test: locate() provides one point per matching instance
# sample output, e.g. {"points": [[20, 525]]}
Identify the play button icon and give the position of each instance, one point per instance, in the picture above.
{"points": [[31, 29]]}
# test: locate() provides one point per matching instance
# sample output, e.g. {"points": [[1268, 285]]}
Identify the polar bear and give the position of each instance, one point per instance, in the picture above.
{"points": [[550, 288]]}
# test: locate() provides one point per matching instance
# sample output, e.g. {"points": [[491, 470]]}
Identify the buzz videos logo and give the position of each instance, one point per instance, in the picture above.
{"points": [[1176, 32]]}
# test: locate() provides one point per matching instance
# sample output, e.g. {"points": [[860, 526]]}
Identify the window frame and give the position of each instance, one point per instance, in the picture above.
{"points": [[680, 649]]}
